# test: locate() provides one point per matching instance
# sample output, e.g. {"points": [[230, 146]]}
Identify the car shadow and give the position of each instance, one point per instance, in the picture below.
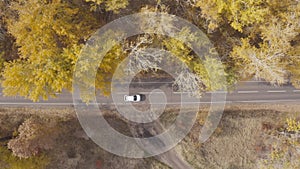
{"points": [[143, 97]]}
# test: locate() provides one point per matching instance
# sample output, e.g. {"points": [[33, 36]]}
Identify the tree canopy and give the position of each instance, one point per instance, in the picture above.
{"points": [[40, 41], [49, 36]]}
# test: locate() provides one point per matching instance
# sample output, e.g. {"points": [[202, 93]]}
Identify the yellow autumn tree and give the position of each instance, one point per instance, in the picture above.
{"points": [[263, 37], [238, 13], [275, 58], [254, 39], [48, 34]]}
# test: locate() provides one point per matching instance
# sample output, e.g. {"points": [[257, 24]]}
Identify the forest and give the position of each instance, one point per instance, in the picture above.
{"points": [[41, 40]]}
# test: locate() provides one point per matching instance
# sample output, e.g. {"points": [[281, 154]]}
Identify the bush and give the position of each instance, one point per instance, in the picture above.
{"points": [[285, 151], [35, 135]]}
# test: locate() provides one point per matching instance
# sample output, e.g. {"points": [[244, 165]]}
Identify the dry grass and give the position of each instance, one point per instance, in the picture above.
{"points": [[241, 140]]}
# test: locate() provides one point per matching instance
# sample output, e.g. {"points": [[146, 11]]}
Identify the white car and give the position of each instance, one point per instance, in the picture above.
{"points": [[134, 98]]}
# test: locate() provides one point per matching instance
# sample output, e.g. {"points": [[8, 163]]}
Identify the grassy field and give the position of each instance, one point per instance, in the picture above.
{"points": [[248, 136]]}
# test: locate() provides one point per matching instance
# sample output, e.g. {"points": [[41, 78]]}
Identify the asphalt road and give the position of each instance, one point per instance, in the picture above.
{"points": [[245, 92]]}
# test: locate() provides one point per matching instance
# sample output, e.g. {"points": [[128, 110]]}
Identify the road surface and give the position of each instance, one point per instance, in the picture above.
{"points": [[245, 92]]}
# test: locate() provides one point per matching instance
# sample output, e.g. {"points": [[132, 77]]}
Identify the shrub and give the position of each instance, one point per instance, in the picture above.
{"points": [[285, 152], [35, 134]]}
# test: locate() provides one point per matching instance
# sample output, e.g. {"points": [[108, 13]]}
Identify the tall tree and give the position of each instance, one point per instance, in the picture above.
{"points": [[264, 36], [274, 57], [254, 39], [49, 35]]}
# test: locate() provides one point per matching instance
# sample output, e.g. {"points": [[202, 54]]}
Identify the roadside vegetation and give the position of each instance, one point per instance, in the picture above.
{"points": [[9, 161], [263, 138]]}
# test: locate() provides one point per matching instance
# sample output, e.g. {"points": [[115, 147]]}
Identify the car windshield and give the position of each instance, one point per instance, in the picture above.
{"points": [[134, 97]]}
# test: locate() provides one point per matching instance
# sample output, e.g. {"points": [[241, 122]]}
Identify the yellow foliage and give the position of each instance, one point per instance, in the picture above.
{"points": [[293, 125], [110, 5], [48, 34], [239, 13], [274, 58], [207, 68]]}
